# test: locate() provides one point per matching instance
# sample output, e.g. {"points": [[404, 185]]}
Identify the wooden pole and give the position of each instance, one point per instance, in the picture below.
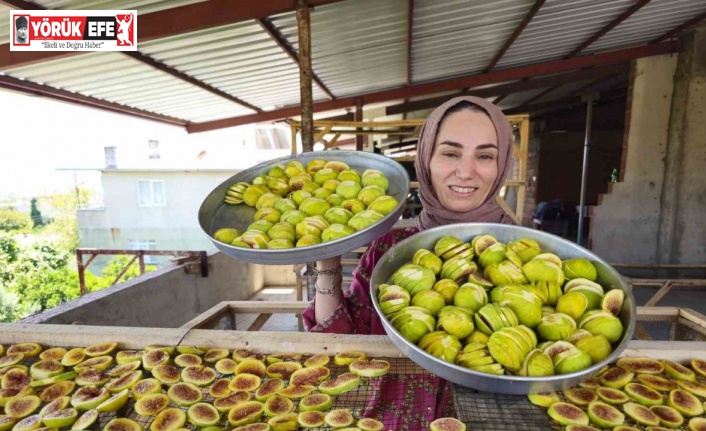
{"points": [[307, 98], [359, 117], [307, 102]]}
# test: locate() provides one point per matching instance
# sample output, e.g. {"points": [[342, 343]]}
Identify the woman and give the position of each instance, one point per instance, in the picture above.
{"points": [[463, 158]]}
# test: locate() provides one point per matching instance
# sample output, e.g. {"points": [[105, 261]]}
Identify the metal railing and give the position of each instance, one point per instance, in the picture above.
{"points": [[181, 257]]}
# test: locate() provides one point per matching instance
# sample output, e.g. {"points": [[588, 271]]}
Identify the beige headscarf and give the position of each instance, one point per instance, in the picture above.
{"points": [[433, 213]]}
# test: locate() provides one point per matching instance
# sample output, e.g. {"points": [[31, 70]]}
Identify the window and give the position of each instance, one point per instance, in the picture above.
{"points": [[144, 244], [151, 193]]}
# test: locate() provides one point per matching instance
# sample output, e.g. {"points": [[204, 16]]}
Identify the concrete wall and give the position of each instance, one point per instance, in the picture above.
{"points": [[626, 223], [168, 297], [655, 215]]}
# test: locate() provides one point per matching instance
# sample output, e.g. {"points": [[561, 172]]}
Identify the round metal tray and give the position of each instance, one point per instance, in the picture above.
{"points": [[215, 214], [402, 253]]}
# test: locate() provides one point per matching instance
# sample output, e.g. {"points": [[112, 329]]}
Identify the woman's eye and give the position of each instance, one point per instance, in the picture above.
{"points": [[450, 155], [486, 157]]}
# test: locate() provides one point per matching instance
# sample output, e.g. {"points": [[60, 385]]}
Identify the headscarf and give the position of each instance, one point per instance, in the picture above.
{"points": [[433, 213]]}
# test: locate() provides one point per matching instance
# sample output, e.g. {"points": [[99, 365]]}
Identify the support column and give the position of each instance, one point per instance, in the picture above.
{"points": [[681, 229], [306, 94], [359, 117]]}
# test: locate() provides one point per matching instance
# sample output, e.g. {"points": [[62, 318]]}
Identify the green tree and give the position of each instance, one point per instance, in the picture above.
{"points": [[65, 225], [8, 305], [34, 213], [13, 220]]}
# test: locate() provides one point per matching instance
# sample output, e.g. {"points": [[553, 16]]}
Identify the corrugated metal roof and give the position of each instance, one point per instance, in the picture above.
{"points": [[102, 75], [460, 37], [649, 23], [559, 27], [240, 59], [357, 46], [142, 7]]}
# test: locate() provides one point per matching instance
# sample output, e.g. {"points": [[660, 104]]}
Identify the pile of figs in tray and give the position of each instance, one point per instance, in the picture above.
{"points": [[506, 309]]}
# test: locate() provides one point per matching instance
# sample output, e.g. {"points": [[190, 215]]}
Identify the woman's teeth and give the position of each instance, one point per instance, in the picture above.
{"points": [[462, 189]]}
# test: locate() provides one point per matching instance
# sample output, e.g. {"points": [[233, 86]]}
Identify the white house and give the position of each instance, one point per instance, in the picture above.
{"points": [[151, 201]]}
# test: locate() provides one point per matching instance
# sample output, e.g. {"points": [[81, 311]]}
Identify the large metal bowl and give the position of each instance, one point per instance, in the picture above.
{"points": [[215, 214], [402, 253]]}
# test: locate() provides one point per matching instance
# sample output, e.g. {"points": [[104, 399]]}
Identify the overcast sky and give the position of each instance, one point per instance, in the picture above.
{"points": [[39, 136]]}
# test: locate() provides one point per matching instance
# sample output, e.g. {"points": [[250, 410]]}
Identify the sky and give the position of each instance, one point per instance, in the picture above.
{"points": [[40, 138]]}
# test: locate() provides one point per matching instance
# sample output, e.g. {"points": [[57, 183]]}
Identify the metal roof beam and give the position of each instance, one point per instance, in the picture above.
{"points": [[10, 83], [170, 22], [515, 34], [597, 35], [676, 30], [276, 35], [504, 75], [610, 26], [186, 78], [616, 93], [503, 89], [21, 4]]}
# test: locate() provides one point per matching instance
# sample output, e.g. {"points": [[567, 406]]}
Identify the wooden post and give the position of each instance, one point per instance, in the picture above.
{"points": [[359, 117], [81, 275], [306, 95], [141, 260]]}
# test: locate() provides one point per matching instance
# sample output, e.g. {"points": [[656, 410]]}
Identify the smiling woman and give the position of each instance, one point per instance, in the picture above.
{"points": [[462, 162]]}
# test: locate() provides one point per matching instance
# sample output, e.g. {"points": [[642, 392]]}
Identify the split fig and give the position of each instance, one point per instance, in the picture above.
{"points": [[604, 415], [612, 396], [544, 399], [146, 386], [282, 370], [245, 382], [60, 419], [641, 414], [246, 413], [296, 392], [668, 416], [320, 402], [169, 419], [338, 418], [369, 368], [342, 383], [84, 421], [616, 378], [122, 424], [284, 422], [685, 402], [613, 301], [656, 382], [318, 360], [311, 419], [225, 404], [184, 394], [115, 402], [20, 407], [200, 375], [643, 395], [203, 415], [151, 404], [580, 396], [567, 414], [447, 424], [277, 405], [89, 397], [678, 371], [641, 365], [268, 389]]}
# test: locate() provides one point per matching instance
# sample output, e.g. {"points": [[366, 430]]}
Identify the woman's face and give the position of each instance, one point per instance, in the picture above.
{"points": [[464, 164]]}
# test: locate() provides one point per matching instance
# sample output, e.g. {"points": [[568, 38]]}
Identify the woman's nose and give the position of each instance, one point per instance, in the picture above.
{"points": [[466, 169]]}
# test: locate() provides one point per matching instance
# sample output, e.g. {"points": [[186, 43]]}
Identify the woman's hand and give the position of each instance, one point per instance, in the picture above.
{"points": [[328, 287]]}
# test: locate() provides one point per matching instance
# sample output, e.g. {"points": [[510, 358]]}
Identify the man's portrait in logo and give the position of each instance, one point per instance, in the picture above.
{"points": [[21, 30]]}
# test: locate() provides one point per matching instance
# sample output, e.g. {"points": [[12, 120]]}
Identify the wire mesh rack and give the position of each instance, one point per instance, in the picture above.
{"points": [[407, 398]]}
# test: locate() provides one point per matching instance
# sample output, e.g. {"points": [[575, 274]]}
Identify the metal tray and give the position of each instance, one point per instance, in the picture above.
{"points": [[402, 253], [215, 214]]}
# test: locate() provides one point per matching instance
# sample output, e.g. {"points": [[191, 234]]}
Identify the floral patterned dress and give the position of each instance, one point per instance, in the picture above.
{"points": [[401, 402]]}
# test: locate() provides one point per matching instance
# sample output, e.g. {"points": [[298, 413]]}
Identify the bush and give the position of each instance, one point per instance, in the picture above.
{"points": [[13, 220]]}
